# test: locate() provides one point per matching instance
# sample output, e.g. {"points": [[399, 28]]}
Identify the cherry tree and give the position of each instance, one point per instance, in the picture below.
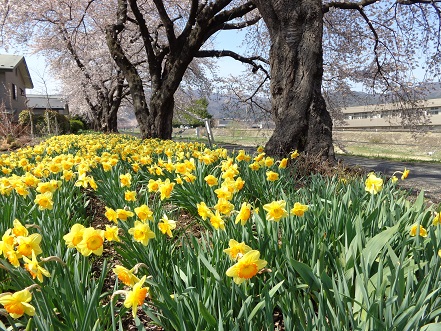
{"points": [[380, 42], [70, 34], [173, 34]]}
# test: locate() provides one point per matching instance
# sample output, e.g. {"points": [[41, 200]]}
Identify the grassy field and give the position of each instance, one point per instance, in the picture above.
{"points": [[396, 145]]}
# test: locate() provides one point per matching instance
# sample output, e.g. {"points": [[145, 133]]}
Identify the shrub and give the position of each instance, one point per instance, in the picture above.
{"points": [[55, 123], [76, 125]]}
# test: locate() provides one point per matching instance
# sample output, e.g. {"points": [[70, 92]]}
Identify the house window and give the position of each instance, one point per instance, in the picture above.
{"points": [[14, 92]]}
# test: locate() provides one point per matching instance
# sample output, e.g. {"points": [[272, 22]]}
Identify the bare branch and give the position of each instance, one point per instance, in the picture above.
{"points": [[218, 22], [347, 5], [168, 23], [154, 64], [241, 25], [238, 57]]}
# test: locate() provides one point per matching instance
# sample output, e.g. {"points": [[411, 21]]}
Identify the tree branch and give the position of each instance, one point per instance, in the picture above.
{"points": [[168, 23], [347, 5], [154, 64], [229, 15], [241, 25], [238, 57]]}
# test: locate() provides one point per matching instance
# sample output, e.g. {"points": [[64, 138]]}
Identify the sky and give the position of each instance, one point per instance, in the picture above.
{"points": [[43, 81]]}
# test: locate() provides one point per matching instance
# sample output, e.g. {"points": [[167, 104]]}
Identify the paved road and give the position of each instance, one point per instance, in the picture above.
{"points": [[422, 176]]}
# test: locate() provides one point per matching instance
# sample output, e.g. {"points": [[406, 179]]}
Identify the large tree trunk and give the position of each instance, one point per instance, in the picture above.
{"points": [[296, 59], [161, 110]]}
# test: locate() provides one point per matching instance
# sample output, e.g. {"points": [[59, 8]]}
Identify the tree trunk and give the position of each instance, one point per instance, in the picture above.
{"points": [[161, 111], [134, 80], [296, 59], [108, 119]]}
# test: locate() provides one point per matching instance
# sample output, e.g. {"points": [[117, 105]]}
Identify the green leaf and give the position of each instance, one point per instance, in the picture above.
{"points": [[431, 327], [306, 274], [275, 288], [376, 244], [206, 314], [210, 267], [255, 310]]}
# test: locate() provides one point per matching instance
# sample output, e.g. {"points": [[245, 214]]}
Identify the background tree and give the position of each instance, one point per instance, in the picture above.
{"points": [[70, 34], [171, 42], [193, 114], [382, 45]]}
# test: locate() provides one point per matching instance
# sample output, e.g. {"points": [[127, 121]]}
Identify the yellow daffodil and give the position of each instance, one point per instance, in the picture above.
{"points": [[166, 226], [254, 166], [125, 275], [19, 229], [153, 185], [217, 222], [272, 176], [247, 267], [242, 156], [418, 229], [224, 192], [294, 154], [67, 175], [136, 296], [299, 209], [283, 163], [244, 213], [204, 211], [224, 206], [34, 268], [92, 242], [275, 210], [166, 188], [25, 245], [373, 184], [125, 180], [210, 180], [437, 219], [269, 161], [239, 183], [44, 201], [111, 215], [124, 214], [17, 304], [236, 250], [141, 233], [144, 213], [111, 233], [405, 174], [130, 195]]}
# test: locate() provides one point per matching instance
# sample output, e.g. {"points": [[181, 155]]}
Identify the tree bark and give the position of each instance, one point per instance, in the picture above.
{"points": [[134, 80], [296, 60]]}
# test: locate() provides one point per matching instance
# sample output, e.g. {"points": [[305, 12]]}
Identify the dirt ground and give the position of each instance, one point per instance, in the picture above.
{"points": [[401, 145]]}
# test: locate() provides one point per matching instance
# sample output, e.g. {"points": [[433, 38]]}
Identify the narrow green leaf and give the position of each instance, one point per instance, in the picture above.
{"points": [[275, 288], [306, 274], [206, 314], [376, 244], [431, 327], [210, 267], [255, 310]]}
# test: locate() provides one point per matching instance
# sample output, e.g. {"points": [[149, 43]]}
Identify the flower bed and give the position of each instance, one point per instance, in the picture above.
{"points": [[197, 239]]}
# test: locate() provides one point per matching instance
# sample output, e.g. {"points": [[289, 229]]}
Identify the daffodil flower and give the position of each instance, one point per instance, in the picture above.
{"points": [[247, 267], [17, 304]]}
